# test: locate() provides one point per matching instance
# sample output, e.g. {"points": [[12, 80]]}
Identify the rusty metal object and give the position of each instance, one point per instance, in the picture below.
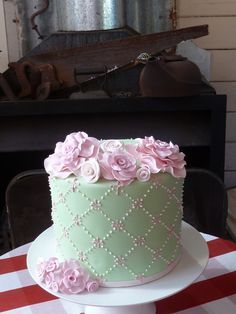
{"points": [[117, 81], [22, 71], [114, 53], [49, 82], [6, 88], [35, 80], [170, 76], [117, 55], [34, 15], [128, 73], [82, 73]]}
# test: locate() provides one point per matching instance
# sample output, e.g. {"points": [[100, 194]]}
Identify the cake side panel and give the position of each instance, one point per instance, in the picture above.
{"points": [[119, 234]]}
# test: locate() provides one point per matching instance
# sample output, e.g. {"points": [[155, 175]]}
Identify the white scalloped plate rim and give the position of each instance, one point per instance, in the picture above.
{"points": [[192, 263]]}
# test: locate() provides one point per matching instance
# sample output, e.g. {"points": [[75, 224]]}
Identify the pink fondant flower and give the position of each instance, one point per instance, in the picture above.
{"points": [[150, 162], [85, 156], [143, 174], [52, 264], [45, 267], [70, 154], [118, 165], [41, 269], [56, 165], [90, 170], [111, 145], [92, 285], [67, 277], [73, 281], [49, 279], [161, 156], [86, 146], [73, 277]]}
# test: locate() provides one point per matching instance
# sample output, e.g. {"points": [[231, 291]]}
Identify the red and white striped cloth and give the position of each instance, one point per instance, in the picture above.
{"points": [[213, 292]]}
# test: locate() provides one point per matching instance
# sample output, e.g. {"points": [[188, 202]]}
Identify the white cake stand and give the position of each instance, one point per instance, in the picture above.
{"points": [[130, 300]]}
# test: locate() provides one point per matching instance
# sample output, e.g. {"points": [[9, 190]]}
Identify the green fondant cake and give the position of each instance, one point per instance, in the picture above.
{"points": [[117, 207]]}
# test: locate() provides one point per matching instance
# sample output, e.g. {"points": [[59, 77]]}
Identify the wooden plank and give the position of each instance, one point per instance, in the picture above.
{"points": [[3, 41], [220, 16], [229, 89], [230, 153], [220, 31], [223, 65], [12, 31], [230, 127], [206, 7]]}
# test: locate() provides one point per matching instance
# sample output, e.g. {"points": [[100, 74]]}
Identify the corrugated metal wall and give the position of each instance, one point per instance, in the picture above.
{"points": [[74, 15]]}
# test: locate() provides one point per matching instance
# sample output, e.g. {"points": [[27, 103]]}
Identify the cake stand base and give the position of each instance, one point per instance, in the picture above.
{"points": [[135, 299], [149, 308]]}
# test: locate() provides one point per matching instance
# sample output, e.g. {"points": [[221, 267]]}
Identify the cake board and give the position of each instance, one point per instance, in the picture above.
{"points": [[136, 299]]}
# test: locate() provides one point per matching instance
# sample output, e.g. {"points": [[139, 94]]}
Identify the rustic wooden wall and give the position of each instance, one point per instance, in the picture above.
{"points": [[220, 15], [3, 41]]}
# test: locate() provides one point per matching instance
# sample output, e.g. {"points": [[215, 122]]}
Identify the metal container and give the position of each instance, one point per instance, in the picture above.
{"points": [[90, 14], [145, 16], [149, 16]]}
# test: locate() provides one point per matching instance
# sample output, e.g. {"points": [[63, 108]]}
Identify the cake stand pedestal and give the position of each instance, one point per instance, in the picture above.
{"points": [[130, 300], [149, 308]]}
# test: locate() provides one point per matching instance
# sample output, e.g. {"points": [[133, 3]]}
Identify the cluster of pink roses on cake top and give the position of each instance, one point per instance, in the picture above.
{"points": [[66, 277], [120, 160]]}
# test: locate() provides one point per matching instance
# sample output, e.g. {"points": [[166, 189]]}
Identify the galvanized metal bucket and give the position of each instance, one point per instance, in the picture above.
{"points": [[145, 16]]}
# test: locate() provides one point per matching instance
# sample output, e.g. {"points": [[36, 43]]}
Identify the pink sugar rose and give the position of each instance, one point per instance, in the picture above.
{"points": [[90, 170], [91, 159], [111, 145], [85, 146], [161, 156], [151, 162], [41, 269], [73, 281], [73, 277], [52, 264], [56, 166], [50, 279], [118, 165], [70, 154], [46, 270], [92, 285], [66, 277], [176, 166], [143, 174], [53, 280], [54, 286]]}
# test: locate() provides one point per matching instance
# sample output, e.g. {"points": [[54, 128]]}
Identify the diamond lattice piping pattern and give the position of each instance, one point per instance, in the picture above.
{"points": [[119, 232]]}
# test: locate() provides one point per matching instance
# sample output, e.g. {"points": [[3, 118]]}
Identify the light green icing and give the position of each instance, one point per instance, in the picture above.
{"points": [[118, 234]]}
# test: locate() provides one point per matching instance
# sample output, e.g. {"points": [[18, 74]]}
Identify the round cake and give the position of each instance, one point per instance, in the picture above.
{"points": [[117, 206]]}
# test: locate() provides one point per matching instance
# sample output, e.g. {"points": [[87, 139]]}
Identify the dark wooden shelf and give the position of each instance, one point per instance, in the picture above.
{"points": [[111, 105]]}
